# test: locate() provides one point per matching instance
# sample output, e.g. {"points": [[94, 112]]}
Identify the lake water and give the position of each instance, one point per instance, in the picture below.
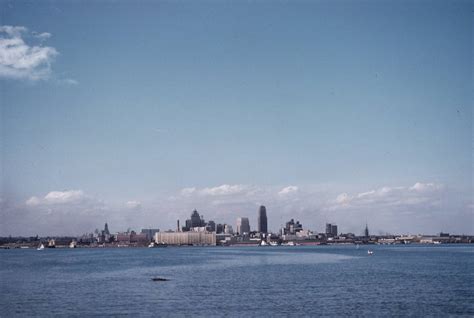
{"points": [[239, 281]]}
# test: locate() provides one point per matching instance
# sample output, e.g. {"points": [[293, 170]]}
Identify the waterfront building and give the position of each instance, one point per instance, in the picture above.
{"points": [[132, 237], [262, 220], [185, 238], [243, 225], [292, 227], [211, 226], [219, 228], [150, 233], [199, 229], [331, 230], [228, 229]]}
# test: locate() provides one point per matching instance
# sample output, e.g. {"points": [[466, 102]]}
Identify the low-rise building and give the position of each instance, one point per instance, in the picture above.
{"points": [[185, 238]]}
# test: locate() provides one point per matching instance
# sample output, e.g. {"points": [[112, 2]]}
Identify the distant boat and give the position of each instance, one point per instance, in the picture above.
{"points": [[52, 243], [41, 247], [272, 243], [72, 244], [263, 243], [369, 252], [153, 244]]}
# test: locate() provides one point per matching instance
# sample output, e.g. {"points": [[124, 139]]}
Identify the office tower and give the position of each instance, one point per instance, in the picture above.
{"points": [[328, 229], [150, 233], [243, 225], [262, 220], [331, 230], [106, 229], [219, 228], [292, 228], [211, 226], [366, 231], [228, 229], [194, 222], [195, 219]]}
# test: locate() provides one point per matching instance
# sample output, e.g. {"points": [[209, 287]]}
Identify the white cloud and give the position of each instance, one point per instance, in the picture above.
{"points": [[343, 198], [135, 205], [366, 194], [70, 81], [188, 191], [384, 190], [41, 36], [13, 31], [57, 197], [425, 187], [224, 189], [420, 193], [33, 201], [19, 60], [288, 190]]}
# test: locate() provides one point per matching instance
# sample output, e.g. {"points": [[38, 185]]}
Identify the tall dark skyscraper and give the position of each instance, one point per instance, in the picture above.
{"points": [[366, 231], [106, 229], [262, 220]]}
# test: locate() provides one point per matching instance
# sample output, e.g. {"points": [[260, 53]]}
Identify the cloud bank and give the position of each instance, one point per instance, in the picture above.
{"points": [[422, 207]]}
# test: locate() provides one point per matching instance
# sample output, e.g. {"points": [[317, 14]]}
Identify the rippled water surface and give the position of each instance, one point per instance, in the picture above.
{"points": [[239, 281]]}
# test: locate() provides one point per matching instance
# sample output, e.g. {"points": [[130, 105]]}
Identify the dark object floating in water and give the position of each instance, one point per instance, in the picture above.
{"points": [[159, 279]]}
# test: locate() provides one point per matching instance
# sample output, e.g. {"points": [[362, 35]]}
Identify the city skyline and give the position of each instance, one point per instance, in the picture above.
{"points": [[342, 113]]}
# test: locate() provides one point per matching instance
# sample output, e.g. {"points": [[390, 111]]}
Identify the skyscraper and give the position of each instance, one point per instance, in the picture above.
{"points": [[196, 219], [243, 225], [366, 231], [328, 229], [262, 220], [331, 230]]}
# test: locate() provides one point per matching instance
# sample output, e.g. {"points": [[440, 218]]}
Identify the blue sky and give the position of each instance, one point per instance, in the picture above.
{"points": [[118, 110]]}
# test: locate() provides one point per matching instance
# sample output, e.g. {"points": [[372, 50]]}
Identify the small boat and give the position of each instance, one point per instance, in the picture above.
{"points": [[369, 252], [153, 245], [40, 248], [52, 243], [263, 243]]}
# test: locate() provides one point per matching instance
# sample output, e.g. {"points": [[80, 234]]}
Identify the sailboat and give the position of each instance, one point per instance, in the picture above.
{"points": [[369, 252], [41, 247]]}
